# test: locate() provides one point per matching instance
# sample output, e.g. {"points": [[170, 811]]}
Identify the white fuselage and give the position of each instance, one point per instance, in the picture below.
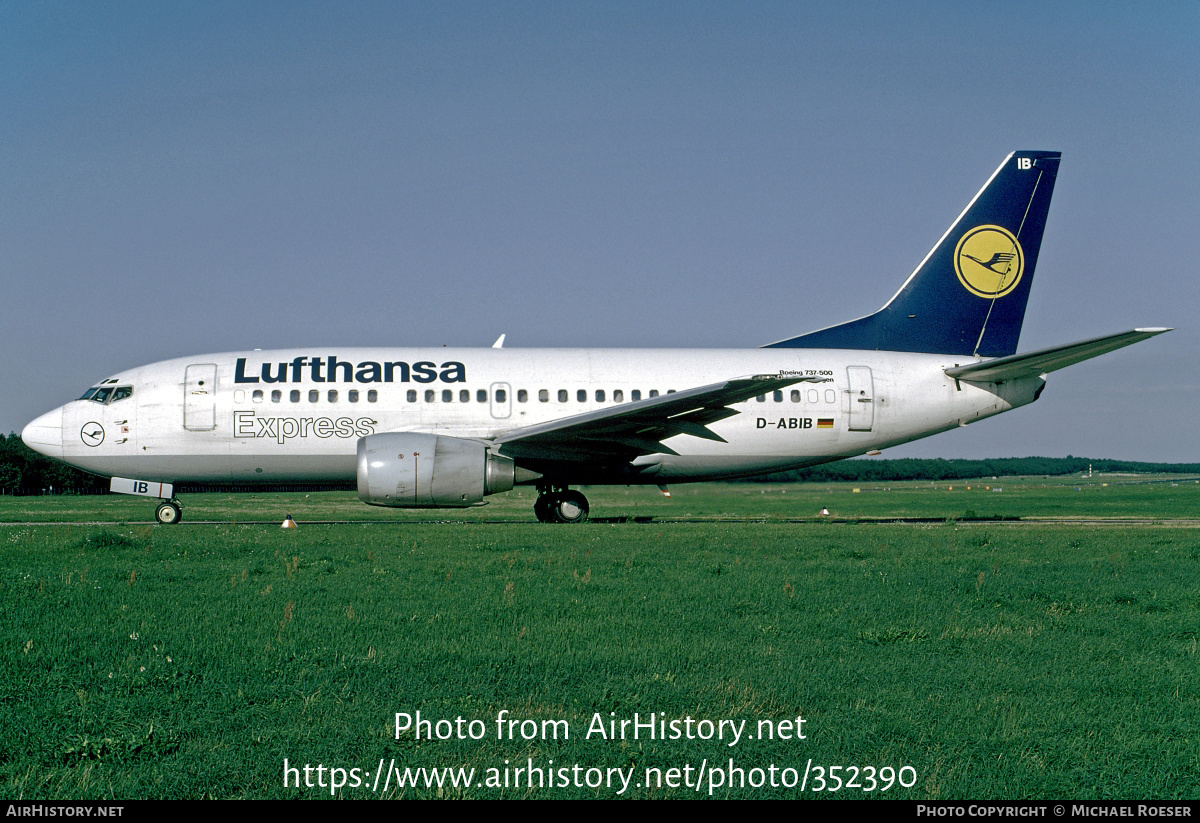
{"points": [[289, 416]]}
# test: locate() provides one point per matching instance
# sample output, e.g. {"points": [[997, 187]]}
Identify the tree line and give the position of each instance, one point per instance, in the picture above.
{"points": [[911, 468], [24, 471]]}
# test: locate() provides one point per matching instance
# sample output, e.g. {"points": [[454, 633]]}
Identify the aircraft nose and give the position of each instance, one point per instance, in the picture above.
{"points": [[45, 434]]}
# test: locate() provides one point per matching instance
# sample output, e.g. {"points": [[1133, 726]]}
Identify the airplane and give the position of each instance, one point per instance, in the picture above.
{"points": [[444, 428]]}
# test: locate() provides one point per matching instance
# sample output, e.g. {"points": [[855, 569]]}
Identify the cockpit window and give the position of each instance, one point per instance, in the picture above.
{"points": [[107, 394]]}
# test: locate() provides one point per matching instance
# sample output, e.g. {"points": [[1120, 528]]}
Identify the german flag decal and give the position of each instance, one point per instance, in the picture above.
{"points": [[824, 422]]}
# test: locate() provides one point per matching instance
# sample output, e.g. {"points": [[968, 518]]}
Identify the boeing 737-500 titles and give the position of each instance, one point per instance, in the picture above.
{"points": [[437, 427]]}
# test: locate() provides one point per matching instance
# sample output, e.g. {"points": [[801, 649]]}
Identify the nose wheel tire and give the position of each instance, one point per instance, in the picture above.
{"points": [[561, 507], [168, 513]]}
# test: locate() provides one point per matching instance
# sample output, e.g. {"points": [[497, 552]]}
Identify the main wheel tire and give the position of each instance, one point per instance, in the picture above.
{"points": [[570, 507], [168, 513], [542, 508]]}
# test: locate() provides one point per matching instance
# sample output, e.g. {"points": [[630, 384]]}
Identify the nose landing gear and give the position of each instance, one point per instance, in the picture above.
{"points": [[560, 505], [168, 512]]}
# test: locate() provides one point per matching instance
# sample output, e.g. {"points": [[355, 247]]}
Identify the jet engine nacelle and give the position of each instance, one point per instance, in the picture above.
{"points": [[411, 470]]}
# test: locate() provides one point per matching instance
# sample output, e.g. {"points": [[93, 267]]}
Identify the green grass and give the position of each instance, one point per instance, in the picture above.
{"points": [[1011, 497], [996, 661]]}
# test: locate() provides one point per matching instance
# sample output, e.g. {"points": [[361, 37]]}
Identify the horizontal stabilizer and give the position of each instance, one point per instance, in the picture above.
{"points": [[1047, 360]]}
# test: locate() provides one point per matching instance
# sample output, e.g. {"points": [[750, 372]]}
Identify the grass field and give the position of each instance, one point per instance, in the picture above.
{"points": [[986, 660], [1108, 496]]}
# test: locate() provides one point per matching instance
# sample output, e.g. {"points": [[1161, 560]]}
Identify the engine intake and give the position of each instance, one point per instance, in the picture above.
{"points": [[413, 471]]}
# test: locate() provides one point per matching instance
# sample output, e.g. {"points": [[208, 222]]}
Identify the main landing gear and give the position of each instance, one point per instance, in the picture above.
{"points": [[557, 504], [168, 512]]}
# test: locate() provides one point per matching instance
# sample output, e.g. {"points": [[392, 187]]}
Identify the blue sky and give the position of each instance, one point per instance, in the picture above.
{"points": [[196, 177]]}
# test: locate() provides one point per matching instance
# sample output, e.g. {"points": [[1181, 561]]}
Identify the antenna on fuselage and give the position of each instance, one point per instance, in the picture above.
{"points": [[499, 344]]}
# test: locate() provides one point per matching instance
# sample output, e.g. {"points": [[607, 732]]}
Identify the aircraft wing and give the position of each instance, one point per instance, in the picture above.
{"points": [[630, 429], [1047, 360]]}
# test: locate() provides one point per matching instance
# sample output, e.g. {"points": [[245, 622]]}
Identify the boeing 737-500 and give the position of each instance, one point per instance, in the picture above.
{"points": [[437, 427]]}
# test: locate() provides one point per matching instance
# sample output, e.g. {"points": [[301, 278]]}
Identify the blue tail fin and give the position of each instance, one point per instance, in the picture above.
{"points": [[968, 295]]}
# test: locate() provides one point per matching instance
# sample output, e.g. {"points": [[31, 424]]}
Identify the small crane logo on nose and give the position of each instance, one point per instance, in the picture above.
{"points": [[92, 434]]}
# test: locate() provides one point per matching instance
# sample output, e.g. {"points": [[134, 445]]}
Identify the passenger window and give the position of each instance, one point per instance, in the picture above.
{"points": [[333, 395], [501, 396], [762, 398], [295, 396], [562, 395], [314, 396], [636, 394], [543, 396], [276, 396], [581, 395], [372, 396], [447, 396], [352, 395], [618, 396], [599, 395], [412, 395], [654, 392], [795, 396], [430, 395], [257, 397], [481, 396], [464, 396], [777, 396], [522, 396], [812, 395], [830, 396]]}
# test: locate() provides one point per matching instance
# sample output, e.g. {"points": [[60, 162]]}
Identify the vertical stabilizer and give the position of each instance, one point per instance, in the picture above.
{"points": [[968, 295]]}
